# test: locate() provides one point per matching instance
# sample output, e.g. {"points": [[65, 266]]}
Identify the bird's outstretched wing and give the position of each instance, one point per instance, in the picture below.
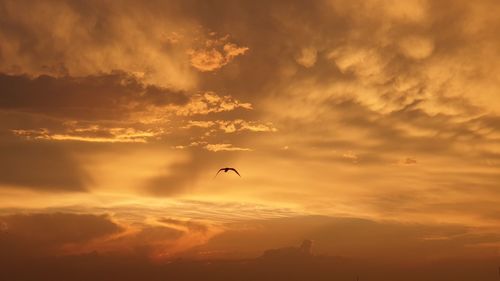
{"points": [[218, 172], [233, 169]]}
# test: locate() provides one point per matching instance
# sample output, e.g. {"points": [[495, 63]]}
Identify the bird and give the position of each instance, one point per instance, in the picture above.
{"points": [[226, 170]]}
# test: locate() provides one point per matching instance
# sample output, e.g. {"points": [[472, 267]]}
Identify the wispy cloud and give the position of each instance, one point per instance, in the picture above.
{"points": [[224, 147]]}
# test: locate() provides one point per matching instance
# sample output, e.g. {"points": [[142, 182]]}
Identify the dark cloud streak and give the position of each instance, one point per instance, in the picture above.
{"points": [[99, 97], [45, 234]]}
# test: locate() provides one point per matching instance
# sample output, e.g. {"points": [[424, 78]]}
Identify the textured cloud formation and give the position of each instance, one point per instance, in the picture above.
{"points": [[104, 97], [83, 39], [232, 126], [210, 102], [48, 234], [59, 234], [215, 54]]}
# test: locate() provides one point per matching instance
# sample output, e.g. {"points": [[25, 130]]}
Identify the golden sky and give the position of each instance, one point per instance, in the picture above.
{"points": [[371, 127]]}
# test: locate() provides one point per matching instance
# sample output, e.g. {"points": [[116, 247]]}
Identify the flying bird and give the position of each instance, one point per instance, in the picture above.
{"points": [[226, 170]]}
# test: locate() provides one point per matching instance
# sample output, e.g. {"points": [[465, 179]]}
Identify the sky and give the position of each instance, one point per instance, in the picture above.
{"points": [[371, 128]]}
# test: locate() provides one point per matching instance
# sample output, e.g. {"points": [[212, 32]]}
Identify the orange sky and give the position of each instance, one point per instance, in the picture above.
{"points": [[371, 127]]}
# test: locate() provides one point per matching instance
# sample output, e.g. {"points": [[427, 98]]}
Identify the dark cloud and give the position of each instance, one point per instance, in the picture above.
{"points": [[46, 234], [87, 38], [290, 253], [38, 237], [42, 166], [98, 97], [351, 237]]}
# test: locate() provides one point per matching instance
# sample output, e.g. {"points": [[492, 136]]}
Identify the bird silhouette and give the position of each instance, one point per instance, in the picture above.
{"points": [[226, 170]]}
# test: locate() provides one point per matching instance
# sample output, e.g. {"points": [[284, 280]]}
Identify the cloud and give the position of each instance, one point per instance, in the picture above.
{"points": [[99, 97], [145, 241], [350, 156], [210, 102], [47, 234], [224, 147], [92, 134], [71, 38], [390, 80], [41, 166], [409, 161], [290, 253], [40, 243], [307, 57], [416, 47], [354, 238], [115, 107], [232, 126], [215, 53]]}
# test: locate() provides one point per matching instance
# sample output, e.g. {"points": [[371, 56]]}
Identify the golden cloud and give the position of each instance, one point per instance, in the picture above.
{"points": [[214, 54], [224, 147], [210, 102]]}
